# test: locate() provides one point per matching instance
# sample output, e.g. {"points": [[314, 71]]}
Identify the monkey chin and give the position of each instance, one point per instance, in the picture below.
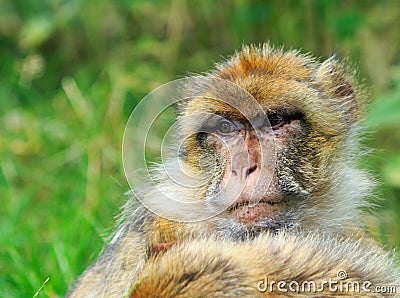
{"points": [[253, 214], [246, 221]]}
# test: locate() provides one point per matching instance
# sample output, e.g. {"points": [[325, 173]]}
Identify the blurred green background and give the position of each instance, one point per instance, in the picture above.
{"points": [[72, 71]]}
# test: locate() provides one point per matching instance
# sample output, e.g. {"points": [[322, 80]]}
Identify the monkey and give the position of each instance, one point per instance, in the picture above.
{"points": [[273, 137]]}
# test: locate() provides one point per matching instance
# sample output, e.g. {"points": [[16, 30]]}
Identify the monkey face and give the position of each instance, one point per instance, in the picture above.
{"points": [[246, 149], [256, 189], [248, 179]]}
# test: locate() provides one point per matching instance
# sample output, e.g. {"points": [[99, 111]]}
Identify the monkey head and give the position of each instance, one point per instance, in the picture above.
{"points": [[275, 134]]}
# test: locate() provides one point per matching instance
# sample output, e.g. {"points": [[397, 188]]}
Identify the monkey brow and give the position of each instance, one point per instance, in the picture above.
{"points": [[231, 115]]}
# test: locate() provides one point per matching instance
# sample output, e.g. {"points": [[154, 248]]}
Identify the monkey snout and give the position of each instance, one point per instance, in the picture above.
{"points": [[250, 170], [244, 172]]}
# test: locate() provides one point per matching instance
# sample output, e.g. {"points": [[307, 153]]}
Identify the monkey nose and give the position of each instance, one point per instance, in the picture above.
{"points": [[250, 170], [244, 172]]}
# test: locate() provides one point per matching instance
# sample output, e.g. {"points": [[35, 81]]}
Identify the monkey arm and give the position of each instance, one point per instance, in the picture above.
{"points": [[116, 269], [215, 268]]}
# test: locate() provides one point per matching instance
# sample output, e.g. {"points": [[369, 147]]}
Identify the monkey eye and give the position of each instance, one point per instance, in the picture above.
{"points": [[225, 126], [276, 120]]}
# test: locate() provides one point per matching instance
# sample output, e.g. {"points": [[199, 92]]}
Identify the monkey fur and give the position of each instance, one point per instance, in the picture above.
{"points": [[307, 228], [215, 268]]}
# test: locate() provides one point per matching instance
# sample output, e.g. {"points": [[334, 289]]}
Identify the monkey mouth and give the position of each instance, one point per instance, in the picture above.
{"points": [[253, 213]]}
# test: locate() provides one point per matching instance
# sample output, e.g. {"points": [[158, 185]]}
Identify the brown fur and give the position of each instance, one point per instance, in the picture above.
{"points": [[215, 268], [316, 172]]}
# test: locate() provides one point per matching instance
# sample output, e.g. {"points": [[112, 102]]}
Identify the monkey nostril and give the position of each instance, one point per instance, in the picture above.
{"points": [[251, 170]]}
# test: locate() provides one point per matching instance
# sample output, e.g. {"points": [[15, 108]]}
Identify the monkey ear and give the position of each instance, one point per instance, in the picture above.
{"points": [[337, 83]]}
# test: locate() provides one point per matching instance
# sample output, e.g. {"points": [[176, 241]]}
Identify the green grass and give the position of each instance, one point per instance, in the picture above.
{"points": [[72, 71]]}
